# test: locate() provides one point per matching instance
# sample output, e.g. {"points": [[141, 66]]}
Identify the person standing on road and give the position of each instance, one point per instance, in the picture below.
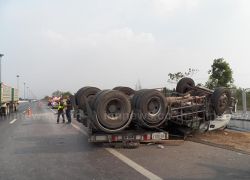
{"points": [[68, 110], [60, 111]]}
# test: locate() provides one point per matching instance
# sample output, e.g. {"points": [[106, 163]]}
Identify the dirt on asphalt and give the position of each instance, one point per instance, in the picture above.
{"points": [[227, 138]]}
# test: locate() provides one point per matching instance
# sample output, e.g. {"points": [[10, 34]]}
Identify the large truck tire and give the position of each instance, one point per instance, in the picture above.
{"points": [[86, 93], [137, 96], [220, 100], [6, 110], [126, 90], [151, 108], [185, 85], [113, 111], [96, 99], [82, 91], [77, 95], [73, 101], [134, 102], [11, 108]]}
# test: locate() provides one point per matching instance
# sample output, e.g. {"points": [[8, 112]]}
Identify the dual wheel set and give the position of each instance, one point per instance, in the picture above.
{"points": [[8, 109], [114, 110], [121, 107]]}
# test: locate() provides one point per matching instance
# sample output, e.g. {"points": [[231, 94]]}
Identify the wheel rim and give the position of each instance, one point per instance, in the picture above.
{"points": [[114, 109], [154, 106]]}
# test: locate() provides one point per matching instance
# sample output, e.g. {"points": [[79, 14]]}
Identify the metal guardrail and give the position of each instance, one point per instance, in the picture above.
{"points": [[241, 116], [240, 121], [244, 100]]}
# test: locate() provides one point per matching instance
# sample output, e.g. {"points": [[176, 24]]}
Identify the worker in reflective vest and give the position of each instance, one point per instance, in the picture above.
{"points": [[60, 111], [68, 109]]}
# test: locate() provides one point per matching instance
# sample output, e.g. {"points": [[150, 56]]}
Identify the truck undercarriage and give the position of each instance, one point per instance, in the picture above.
{"points": [[123, 115]]}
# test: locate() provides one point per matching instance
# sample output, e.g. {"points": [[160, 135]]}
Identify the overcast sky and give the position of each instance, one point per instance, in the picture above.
{"points": [[68, 44]]}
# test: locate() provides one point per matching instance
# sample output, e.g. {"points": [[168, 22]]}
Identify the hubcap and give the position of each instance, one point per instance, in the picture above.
{"points": [[154, 106], [114, 108]]}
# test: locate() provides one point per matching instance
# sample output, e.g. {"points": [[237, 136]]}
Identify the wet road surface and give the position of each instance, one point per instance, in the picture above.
{"points": [[35, 147]]}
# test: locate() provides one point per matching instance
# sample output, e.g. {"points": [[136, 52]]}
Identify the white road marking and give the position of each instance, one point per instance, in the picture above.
{"points": [[126, 160], [123, 158], [134, 165], [53, 111], [79, 129], [14, 120]]}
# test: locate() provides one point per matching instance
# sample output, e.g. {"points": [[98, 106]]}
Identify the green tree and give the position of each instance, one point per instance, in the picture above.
{"points": [[57, 93], [46, 98], [179, 75], [66, 94], [220, 74]]}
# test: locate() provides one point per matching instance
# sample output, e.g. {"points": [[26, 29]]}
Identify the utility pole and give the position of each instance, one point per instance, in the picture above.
{"points": [[1, 55], [24, 90]]}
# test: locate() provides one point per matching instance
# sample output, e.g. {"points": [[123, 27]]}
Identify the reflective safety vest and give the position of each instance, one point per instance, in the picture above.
{"points": [[60, 106]]}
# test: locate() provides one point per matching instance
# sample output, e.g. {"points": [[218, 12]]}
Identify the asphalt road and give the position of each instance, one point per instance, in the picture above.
{"points": [[35, 147]]}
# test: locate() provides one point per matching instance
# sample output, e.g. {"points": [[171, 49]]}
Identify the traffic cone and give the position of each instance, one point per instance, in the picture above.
{"points": [[29, 112]]}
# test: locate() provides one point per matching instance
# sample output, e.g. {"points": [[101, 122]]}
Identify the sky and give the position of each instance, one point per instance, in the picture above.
{"points": [[65, 45]]}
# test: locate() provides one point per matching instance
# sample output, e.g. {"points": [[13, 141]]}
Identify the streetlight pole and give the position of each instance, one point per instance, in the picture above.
{"points": [[1, 55], [24, 90], [27, 93], [17, 85]]}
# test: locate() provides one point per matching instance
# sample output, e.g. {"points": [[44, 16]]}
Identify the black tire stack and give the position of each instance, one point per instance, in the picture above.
{"points": [[114, 110], [85, 94], [150, 108], [126, 90], [79, 103]]}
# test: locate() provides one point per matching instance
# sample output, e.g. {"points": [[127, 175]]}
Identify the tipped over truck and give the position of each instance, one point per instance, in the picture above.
{"points": [[124, 115]]}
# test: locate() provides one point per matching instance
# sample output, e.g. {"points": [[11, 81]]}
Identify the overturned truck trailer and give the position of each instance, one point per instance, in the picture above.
{"points": [[125, 115]]}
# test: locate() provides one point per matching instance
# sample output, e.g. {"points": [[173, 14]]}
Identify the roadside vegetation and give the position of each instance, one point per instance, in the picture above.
{"points": [[220, 75]]}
